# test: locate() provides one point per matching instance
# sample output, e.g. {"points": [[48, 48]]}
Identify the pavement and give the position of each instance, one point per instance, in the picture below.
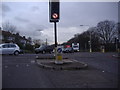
{"points": [[68, 64]]}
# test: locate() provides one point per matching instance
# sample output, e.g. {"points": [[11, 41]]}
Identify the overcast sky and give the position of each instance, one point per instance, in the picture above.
{"points": [[29, 17]]}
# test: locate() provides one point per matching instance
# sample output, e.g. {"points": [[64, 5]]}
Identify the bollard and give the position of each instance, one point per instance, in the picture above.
{"points": [[103, 50], [90, 50], [59, 56]]}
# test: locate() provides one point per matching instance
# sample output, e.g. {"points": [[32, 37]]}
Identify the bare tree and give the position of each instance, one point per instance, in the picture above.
{"points": [[9, 27], [106, 30]]}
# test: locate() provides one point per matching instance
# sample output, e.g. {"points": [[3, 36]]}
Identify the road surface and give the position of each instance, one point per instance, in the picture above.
{"points": [[23, 72]]}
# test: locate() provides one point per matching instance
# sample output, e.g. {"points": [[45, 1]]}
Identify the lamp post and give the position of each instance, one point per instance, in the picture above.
{"points": [[90, 38], [118, 37], [90, 43]]}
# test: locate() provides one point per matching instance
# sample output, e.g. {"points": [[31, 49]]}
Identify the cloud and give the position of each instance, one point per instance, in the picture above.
{"points": [[32, 29], [89, 13], [63, 33], [5, 9], [35, 8], [36, 27], [32, 19], [21, 19], [0, 14]]}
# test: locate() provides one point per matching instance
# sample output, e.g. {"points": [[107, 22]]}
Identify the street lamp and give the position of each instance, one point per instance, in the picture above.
{"points": [[118, 36], [90, 43], [90, 38]]}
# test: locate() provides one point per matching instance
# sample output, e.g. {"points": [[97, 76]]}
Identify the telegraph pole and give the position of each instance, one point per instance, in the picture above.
{"points": [[90, 43], [119, 39], [46, 41]]}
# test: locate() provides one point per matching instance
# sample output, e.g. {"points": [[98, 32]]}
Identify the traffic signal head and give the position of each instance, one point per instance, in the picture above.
{"points": [[54, 10]]}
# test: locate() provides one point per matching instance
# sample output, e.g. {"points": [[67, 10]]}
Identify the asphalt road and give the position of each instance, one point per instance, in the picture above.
{"points": [[103, 61], [23, 72]]}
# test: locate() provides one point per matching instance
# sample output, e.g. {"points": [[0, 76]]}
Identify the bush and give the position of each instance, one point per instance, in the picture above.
{"points": [[29, 47]]}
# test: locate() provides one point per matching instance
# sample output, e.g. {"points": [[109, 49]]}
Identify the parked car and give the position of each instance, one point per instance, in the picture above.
{"points": [[9, 48], [44, 49], [68, 50]]}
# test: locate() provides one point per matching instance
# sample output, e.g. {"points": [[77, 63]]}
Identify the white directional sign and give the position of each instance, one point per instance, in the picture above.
{"points": [[59, 49]]}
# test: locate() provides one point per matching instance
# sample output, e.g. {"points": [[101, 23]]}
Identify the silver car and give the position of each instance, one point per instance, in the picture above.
{"points": [[9, 48]]}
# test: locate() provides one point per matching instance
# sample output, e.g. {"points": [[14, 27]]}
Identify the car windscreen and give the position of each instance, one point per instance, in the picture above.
{"points": [[49, 47], [75, 46], [42, 47]]}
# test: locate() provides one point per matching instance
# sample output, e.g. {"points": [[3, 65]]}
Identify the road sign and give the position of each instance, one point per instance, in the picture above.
{"points": [[59, 55], [59, 50]]}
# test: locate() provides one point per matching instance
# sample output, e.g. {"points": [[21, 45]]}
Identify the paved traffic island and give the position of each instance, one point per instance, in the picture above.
{"points": [[68, 64]]}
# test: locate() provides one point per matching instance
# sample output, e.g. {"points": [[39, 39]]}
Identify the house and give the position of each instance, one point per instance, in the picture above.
{"points": [[8, 37]]}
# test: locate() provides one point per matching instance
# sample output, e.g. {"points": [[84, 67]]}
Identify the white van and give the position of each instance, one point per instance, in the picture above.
{"points": [[75, 46]]}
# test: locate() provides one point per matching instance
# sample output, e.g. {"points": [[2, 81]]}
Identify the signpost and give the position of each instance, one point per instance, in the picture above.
{"points": [[54, 17]]}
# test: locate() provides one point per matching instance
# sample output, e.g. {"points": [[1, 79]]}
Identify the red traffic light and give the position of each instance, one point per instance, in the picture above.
{"points": [[54, 10], [55, 15]]}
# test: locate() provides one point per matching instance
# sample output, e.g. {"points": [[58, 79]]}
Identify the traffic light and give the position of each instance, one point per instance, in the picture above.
{"points": [[54, 11]]}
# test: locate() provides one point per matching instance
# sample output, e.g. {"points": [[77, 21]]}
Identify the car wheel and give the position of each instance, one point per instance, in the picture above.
{"points": [[43, 52], [16, 53], [36, 52]]}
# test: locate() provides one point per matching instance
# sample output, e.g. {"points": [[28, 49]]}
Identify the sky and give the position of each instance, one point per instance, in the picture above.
{"points": [[32, 18]]}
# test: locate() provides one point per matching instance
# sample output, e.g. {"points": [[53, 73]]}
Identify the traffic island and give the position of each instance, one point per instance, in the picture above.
{"points": [[68, 64], [116, 56], [47, 56]]}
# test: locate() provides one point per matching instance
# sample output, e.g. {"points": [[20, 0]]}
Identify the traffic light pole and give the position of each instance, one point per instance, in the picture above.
{"points": [[58, 56], [55, 31], [54, 17]]}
